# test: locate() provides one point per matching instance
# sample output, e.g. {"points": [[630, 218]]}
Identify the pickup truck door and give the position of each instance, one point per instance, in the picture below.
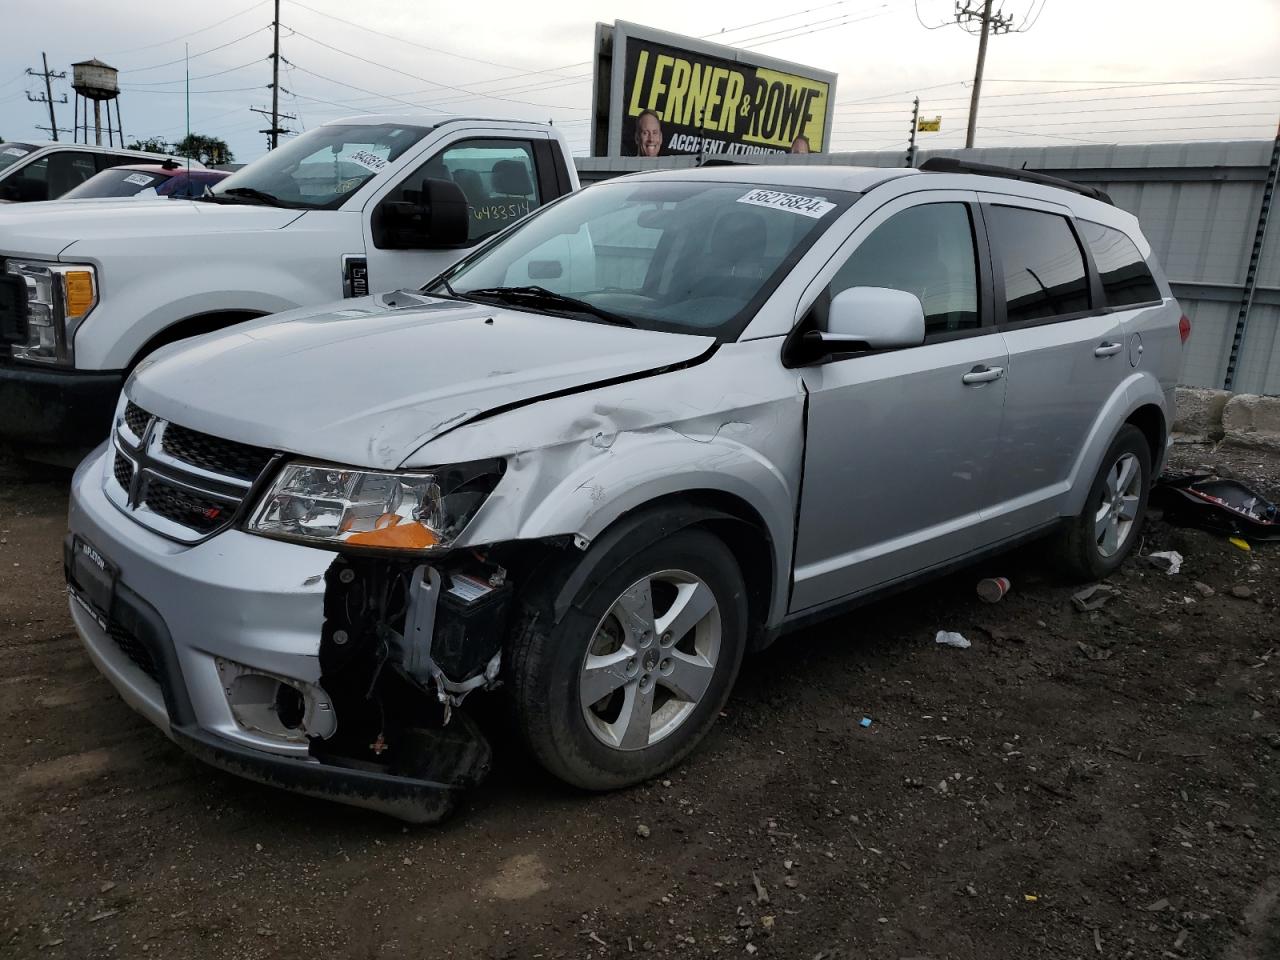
{"points": [[898, 445], [504, 177]]}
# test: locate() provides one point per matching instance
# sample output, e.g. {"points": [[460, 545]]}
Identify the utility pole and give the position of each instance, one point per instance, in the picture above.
{"points": [[996, 23], [915, 123], [275, 129], [275, 79], [48, 93]]}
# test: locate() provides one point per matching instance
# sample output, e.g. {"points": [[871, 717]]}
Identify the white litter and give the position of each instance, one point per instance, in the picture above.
{"points": [[1168, 560], [949, 639]]}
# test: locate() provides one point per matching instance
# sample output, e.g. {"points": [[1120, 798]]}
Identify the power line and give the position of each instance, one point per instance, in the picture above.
{"points": [[47, 97], [204, 76], [169, 63], [152, 46], [473, 94]]}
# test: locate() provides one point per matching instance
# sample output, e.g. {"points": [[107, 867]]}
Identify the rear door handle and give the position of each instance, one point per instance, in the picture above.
{"points": [[1107, 349], [982, 374]]}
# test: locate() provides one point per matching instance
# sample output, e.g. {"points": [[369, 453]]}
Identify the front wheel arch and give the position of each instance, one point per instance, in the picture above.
{"points": [[192, 326]]}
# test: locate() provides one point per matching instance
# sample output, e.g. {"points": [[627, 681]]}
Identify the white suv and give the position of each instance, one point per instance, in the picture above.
{"points": [[45, 170]]}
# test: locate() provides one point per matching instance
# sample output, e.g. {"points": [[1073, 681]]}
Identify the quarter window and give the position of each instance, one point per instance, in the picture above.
{"points": [[498, 178], [926, 250], [1044, 272], [1126, 278]]}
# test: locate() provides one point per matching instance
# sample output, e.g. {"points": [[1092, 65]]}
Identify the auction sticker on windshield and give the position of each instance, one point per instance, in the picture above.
{"points": [[370, 161], [793, 202], [138, 179], [14, 152]]}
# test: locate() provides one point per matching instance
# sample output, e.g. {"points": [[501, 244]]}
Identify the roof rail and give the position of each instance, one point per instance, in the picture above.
{"points": [[955, 165]]}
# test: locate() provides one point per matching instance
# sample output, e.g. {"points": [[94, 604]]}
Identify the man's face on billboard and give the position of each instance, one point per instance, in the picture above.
{"points": [[648, 135]]}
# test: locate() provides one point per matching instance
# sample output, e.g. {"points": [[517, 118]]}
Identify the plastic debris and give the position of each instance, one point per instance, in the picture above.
{"points": [[949, 639], [992, 589], [865, 722], [1225, 507], [1170, 561], [1094, 597], [1237, 542], [1030, 897]]}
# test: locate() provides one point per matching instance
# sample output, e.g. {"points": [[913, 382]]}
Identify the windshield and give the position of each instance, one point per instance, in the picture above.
{"points": [[116, 182], [319, 169], [11, 153], [687, 256]]}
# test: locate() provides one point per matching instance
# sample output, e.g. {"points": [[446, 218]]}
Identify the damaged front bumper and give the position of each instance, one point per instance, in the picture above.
{"points": [[228, 646]]}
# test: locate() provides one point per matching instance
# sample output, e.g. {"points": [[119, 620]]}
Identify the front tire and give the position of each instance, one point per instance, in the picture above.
{"points": [[1098, 540], [633, 676]]}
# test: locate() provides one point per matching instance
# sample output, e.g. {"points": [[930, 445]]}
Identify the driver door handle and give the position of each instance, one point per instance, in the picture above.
{"points": [[982, 374], [1107, 349]]}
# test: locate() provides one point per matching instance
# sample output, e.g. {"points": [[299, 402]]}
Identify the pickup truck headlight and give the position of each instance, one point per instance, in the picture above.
{"points": [[403, 510], [59, 297]]}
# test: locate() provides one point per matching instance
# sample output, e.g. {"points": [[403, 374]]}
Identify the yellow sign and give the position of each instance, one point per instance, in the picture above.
{"points": [[929, 126]]}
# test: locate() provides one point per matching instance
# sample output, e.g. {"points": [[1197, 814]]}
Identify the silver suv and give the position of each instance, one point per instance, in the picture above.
{"points": [[656, 425]]}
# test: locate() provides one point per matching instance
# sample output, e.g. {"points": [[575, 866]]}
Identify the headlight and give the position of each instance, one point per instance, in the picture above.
{"points": [[410, 510], [59, 296]]}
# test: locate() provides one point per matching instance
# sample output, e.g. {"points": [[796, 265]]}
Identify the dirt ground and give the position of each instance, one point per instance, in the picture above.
{"points": [[1074, 785]]}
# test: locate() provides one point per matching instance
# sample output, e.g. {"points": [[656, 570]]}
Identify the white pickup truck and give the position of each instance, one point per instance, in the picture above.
{"points": [[353, 207]]}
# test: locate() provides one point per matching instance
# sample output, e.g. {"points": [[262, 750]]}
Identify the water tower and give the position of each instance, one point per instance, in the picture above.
{"points": [[94, 80]]}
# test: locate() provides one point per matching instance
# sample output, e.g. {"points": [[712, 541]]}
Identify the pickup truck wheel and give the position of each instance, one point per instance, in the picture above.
{"points": [[633, 676], [1097, 541]]}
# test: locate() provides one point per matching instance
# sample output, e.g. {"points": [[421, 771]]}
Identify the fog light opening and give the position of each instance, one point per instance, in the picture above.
{"points": [[290, 706]]}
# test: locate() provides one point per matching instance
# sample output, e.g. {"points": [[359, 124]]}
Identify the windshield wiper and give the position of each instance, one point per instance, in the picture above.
{"points": [[253, 193], [534, 296]]}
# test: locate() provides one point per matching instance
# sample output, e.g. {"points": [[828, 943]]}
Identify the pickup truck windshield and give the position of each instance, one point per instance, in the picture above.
{"points": [[11, 153], [681, 256], [321, 168]]}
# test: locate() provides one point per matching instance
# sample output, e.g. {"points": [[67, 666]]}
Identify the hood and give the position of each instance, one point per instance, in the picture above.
{"points": [[47, 229], [367, 382]]}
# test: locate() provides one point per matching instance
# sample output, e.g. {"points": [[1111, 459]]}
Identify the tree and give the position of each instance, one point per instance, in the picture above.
{"points": [[205, 149], [150, 145]]}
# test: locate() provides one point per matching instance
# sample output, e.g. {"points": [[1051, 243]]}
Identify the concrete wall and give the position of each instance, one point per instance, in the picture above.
{"points": [[1198, 204]]}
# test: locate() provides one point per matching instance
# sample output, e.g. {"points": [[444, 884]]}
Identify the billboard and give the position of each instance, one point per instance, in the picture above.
{"points": [[660, 94]]}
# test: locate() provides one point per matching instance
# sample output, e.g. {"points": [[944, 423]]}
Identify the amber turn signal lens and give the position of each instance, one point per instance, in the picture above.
{"points": [[403, 536], [78, 285]]}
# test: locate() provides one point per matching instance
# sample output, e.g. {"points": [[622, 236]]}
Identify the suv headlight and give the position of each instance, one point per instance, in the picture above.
{"points": [[59, 297], [403, 510]]}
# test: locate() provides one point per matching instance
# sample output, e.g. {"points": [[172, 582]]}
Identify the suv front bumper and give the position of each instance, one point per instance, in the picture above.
{"points": [[178, 611], [56, 408]]}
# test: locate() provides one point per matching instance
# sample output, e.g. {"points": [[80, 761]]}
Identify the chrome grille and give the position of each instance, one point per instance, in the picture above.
{"points": [[177, 481]]}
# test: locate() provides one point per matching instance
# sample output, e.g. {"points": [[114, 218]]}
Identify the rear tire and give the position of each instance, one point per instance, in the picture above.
{"points": [[1098, 540], [655, 647]]}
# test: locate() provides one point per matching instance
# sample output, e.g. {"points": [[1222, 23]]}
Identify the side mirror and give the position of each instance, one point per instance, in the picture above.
{"points": [[873, 318], [434, 217]]}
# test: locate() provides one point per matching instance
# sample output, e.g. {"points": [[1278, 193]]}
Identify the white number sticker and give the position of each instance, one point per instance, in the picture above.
{"points": [[370, 161], [14, 152], [793, 202], [138, 179]]}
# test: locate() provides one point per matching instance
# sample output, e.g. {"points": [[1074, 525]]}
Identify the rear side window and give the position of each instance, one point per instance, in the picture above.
{"points": [[926, 250], [1126, 278], [1044, 272]]}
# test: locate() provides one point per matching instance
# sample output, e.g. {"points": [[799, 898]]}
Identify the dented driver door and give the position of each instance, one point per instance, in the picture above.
{"points": [[898, 448]]}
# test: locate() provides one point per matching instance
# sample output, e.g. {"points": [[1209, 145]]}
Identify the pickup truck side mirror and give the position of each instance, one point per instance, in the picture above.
{"points": [[859, 319], [24, 190], [433, 218]]}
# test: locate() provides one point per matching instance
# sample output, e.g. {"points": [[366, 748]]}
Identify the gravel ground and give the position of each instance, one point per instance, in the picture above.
{"points": [[1074, 785]]}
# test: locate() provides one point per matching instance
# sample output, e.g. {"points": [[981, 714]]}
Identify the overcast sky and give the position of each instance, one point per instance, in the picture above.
{"points": [[1110, 71]]}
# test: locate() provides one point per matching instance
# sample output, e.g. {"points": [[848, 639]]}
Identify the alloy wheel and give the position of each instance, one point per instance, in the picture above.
{"points": [[651, 659], [1121, 495]]}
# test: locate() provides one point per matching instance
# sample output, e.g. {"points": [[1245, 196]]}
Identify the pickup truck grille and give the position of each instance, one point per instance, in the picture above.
{"points": [[177, 481]]}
